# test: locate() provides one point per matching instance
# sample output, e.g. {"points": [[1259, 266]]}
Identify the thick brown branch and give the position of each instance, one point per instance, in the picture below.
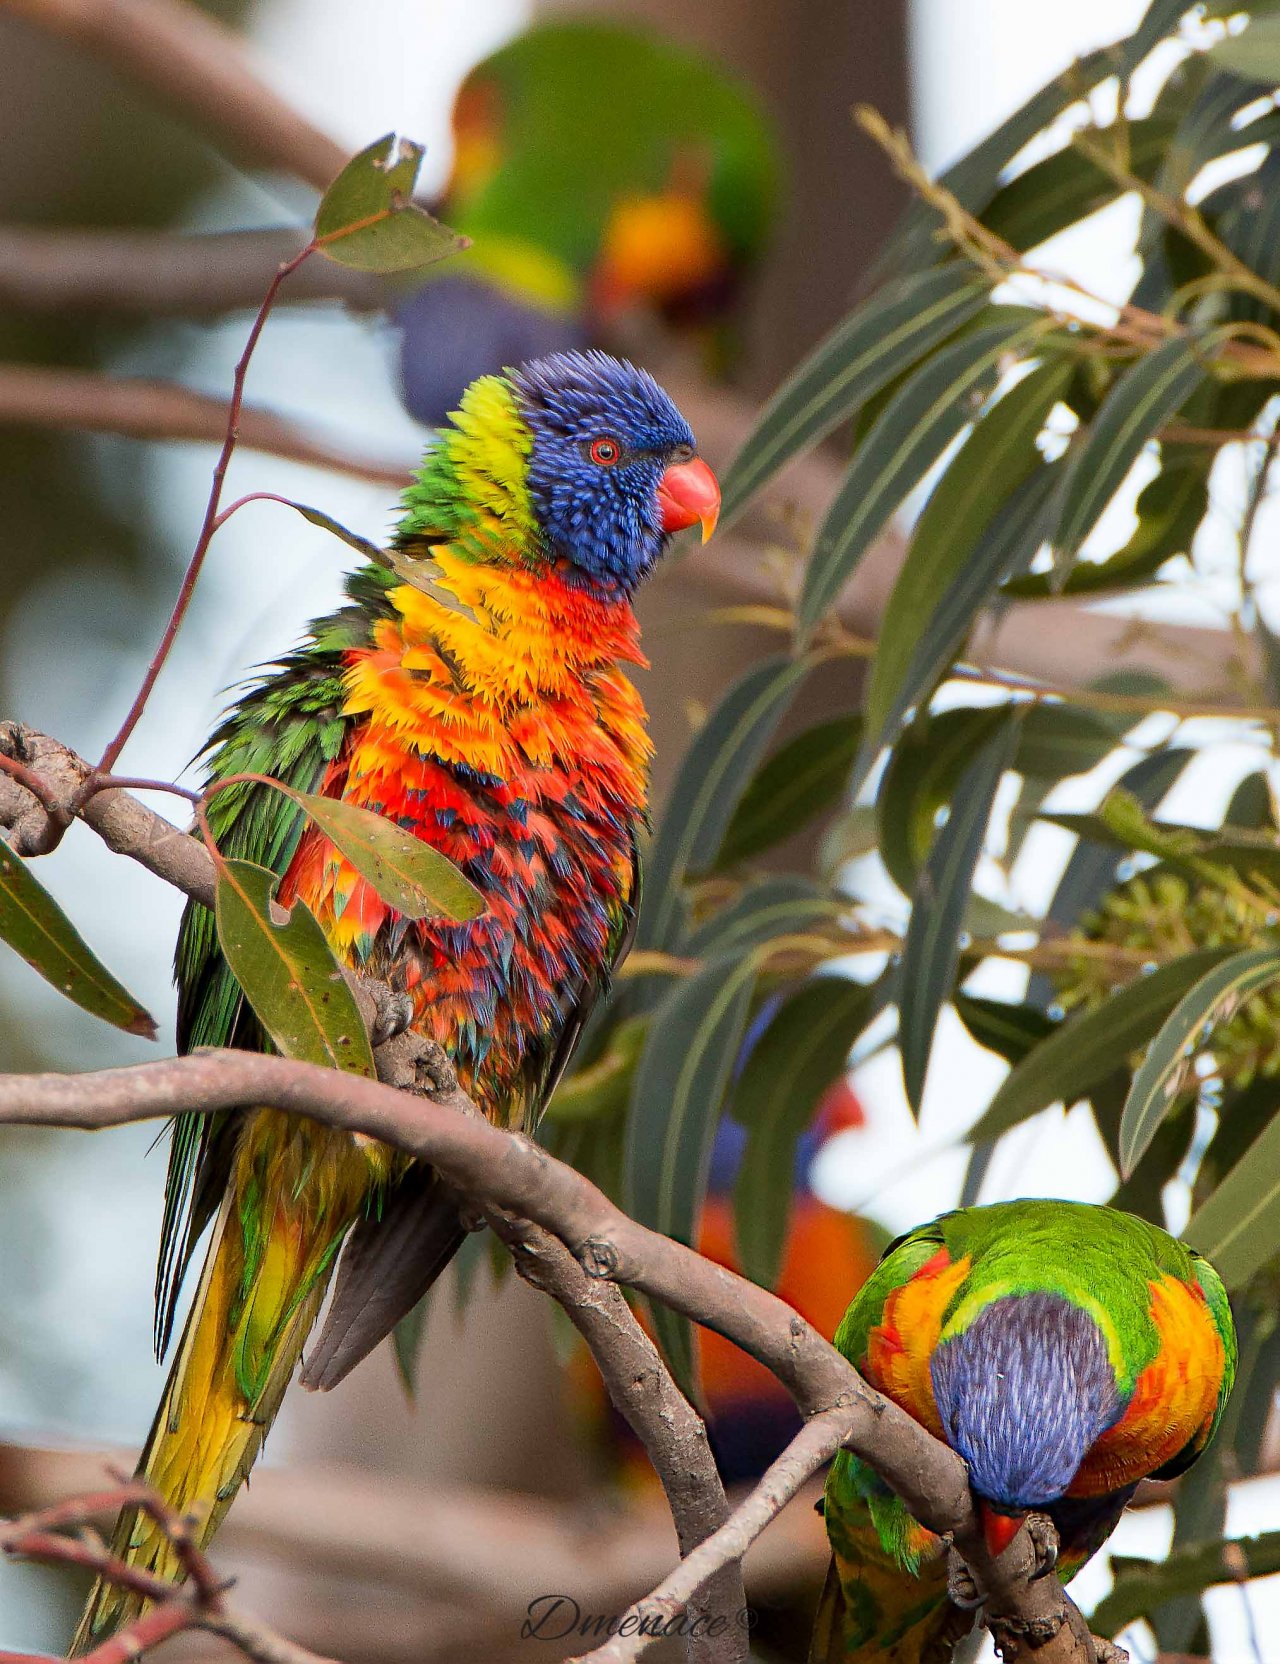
{"points": [[123, 823], [162, 272], [37, 397], [178, 53], [673, 1433], [508, 1171]]}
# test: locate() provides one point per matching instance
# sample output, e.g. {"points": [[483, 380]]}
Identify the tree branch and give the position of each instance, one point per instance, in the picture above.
{"points": [[156, 273], [199, 68], [74, 400], [674, 1435], [508, 1171]]}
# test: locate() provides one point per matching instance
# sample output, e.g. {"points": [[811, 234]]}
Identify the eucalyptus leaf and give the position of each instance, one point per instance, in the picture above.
{"points": [[952, 549], [713, 778], [1142, 400], [880, 339], [802, 780], [406, 871], [916, 426], [689, 1051], [287, 970], [1086, 1048], [932, 948], [802, 1052], [367, 218], [1139, 1591], [1238, 1228], [1157, 1082], [37, 929]]}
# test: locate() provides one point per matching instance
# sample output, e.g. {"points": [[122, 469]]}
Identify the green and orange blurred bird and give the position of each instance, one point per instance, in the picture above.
{"points": [[1065, 1351], [605, 175], [481, 702]]}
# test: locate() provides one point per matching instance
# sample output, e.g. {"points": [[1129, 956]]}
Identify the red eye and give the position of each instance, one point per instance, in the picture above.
{"points": [[605, 451]]}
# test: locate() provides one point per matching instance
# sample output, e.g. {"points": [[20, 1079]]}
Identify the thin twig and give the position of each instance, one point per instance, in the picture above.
{"points": [[210, 523]]}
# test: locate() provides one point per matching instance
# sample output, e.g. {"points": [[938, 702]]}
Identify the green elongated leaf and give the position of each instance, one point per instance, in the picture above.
{"points": [[1011, 1031], [1068, 186], [406, 872], [684, 1069], [1255, 53], [1156, 1083], [921, 776], [802, 780], [36, 928], [1169, 508], [1238, 1228], [288, 973], [1061, 740], [922, 626], [1142, 400], [802, 1052], [932, 949], [911, 434], [1085, 1049], [1142, 1588], [603, 1086], [1160, 19], [784, 906], [712, 779], [1252, 807], [367, 218], [974, 178], [880, 339]]}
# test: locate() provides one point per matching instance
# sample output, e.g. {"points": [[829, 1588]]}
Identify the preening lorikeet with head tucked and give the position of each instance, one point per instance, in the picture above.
{"points": [[483, 705], [599, 170], [1065, 1351]]}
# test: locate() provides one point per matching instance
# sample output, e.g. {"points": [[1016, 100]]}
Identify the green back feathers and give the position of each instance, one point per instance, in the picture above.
{"points": [[289, 726], [1098, 1257]]}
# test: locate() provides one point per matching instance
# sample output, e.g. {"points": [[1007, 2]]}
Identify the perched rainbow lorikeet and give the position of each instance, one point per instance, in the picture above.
{"points": [[1065, 1351], [600, 170], [482, 705]]}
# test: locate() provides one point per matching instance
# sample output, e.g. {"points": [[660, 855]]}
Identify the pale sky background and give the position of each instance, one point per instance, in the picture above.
{"points": [[976, 60]]}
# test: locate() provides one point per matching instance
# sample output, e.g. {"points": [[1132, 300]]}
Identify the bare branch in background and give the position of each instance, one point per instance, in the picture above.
{"points": [[76, 400], [188, 60], [155, 273]]}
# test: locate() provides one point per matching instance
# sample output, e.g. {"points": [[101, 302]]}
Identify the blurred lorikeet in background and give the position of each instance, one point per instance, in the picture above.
{"points": [[481, 703], [600, 171], [1065, 1351]]}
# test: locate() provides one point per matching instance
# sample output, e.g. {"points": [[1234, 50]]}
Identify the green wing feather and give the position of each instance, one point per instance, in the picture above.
{"points": [[290, 726]]}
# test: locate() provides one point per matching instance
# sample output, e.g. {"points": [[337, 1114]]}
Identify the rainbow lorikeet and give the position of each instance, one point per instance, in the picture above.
{"points": [[482, 704], [600, 171], [1066, 1352]]}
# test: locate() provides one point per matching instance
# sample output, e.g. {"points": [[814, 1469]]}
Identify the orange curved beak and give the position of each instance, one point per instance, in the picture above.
{"points": [[687, 493], [998, 1529]]}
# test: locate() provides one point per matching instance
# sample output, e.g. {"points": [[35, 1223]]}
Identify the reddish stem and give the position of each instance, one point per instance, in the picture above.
{"points": [[210, 523], [144, 1633], [39, 788], [251, 497]]}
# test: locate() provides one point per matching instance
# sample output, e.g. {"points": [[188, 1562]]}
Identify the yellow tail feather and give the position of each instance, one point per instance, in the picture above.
{"points": [[262, 1286]]}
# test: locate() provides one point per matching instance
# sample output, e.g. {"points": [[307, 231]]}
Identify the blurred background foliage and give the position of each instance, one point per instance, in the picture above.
{"points": [[883, 826]]}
